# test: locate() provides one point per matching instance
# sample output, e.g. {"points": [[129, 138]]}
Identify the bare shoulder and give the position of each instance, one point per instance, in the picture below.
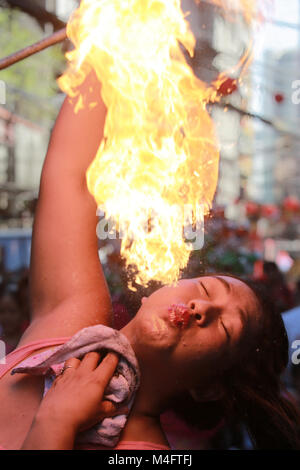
{"points": [[21, 394]]}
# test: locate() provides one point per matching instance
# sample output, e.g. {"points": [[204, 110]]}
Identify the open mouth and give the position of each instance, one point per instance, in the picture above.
{"points": [[179, 315]]}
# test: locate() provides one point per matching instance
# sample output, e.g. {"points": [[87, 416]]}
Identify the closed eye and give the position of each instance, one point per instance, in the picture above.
{"points": [[204, 288], [226, 331]]}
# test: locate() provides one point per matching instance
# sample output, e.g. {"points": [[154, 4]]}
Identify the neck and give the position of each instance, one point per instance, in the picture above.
{"points": [[144, 420], [150, 401], [154, 391], [150, 398]]}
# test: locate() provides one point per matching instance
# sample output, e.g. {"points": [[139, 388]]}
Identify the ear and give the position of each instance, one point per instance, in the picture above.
{"points": [[213, 393]]}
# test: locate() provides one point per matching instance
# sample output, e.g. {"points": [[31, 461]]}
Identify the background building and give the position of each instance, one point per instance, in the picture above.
{"points": [[27, 113]]}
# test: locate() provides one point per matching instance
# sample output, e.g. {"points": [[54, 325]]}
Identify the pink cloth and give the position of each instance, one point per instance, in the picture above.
{"points": [[120, 390], [127, 445], [20, 354]]}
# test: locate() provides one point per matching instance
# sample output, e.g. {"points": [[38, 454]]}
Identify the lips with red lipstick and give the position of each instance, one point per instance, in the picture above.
{"points": [[179, 315]]}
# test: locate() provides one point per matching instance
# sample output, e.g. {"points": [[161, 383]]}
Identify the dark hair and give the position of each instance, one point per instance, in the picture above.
{"points": [[254, 395]]}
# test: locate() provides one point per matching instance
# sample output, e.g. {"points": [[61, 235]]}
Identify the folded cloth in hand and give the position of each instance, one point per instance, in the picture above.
{"points": [[121, 388]]}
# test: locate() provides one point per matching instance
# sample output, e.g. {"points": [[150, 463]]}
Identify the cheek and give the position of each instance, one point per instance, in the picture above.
{"points": [[153, 333], [206, 344]]}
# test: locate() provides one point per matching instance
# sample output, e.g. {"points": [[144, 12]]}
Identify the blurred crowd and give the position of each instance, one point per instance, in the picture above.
{"points": [[14, 307]]}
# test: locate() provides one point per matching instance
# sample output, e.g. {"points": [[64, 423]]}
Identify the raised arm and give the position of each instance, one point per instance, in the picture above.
{"points": [[68, 288]]}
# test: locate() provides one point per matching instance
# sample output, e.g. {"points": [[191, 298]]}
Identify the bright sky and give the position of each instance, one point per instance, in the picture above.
{"points": [[279, 34], [275, 36], [65, 7]]}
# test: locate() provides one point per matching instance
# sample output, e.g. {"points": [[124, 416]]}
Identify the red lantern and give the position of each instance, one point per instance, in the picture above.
{"points": [[279, 98], [258, 270], [269, 211], [252, 209], [227, 87], [291, 204], [241, 232]]}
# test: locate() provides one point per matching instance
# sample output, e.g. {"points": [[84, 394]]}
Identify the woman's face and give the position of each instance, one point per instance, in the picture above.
{"points": [[221, 315]]}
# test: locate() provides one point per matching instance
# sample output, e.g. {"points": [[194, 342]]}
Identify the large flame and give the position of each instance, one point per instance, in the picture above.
{"points": [[159, 155]]}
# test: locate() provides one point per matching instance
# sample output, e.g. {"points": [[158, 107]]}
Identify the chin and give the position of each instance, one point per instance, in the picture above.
{"points": [[154, 332]]}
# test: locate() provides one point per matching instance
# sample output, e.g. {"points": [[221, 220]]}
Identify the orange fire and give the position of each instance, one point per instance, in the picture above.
{"points": [[159, 156]]}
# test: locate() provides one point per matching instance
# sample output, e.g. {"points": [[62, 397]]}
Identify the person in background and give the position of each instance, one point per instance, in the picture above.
{"points": [[23, 299], [297, 293], [295, 374], [278, 289], [10, 318]]}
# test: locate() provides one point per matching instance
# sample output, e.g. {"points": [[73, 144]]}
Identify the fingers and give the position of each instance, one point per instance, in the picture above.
{"points": [[71, 364], [90, 361], [110, 409], [106, 368], [123, 410], [107, 410]]}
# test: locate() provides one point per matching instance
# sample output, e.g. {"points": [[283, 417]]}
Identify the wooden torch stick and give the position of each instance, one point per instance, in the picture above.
{"points": [[39, 46]]}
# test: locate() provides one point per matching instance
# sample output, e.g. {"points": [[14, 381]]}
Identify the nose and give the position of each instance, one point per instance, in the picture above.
{"points": [[198, 309]]}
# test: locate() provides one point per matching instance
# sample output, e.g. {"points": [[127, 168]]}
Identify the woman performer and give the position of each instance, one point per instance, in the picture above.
{"points": [[231, 351]]}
